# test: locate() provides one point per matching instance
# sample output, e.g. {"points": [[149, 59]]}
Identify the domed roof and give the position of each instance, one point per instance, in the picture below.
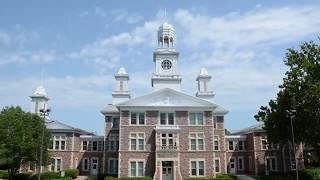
{"points": [[166, 26], [203, 72], [40, 91], [122, 71]]}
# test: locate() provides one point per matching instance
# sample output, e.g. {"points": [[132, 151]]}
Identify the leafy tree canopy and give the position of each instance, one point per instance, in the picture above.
{"points": [[298, 98], [20, 138]]}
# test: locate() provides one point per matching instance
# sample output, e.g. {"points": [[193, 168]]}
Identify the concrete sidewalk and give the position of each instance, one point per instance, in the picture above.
{"points": [[245, 177]]}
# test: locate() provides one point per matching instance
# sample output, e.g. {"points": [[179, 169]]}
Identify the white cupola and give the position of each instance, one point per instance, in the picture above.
{"points": [[166, 74], [121, 91], [166, 36], [39, 100], [204, 91]]}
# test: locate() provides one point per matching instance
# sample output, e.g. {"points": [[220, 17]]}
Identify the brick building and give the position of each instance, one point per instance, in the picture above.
{"points": [[166, 134]]}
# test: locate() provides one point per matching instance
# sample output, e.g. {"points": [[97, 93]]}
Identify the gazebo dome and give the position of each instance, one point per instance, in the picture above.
{"points": [[166, 26], [122, 71], [40, 91], [203, 72]]}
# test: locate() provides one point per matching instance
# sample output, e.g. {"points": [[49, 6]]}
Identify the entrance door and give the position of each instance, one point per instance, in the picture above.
{"points": [[166, 173], [94, 167], [232, 166]]}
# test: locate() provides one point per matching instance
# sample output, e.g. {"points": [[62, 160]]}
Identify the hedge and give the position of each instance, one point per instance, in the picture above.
{"points": [[311, 173], [73, 173]]}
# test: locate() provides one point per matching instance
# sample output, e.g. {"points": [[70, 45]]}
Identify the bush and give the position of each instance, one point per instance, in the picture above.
{"points": [[47, 176], [74, 173], [4, 175], [23, 176], [311, 173], [64, 178], [109, 178], [197, 178]]}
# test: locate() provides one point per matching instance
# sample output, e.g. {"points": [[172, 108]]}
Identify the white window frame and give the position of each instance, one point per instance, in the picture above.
{"points": [[137, 118], [167, 139], [243, 145], [196, 118], [197, 141], [167, 118], [233, 146], [115, 138], [197, 167], [238, 164], [112, 120], [59, 138], [136, 161], [137, 141], [214, 140], [275, 161], [82, 146], [215, 121], [116, 161], [214, 165], [83, 164], [56, 165]]}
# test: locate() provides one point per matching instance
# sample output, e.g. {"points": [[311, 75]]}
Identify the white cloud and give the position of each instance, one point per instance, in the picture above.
{"points": [[28, 57], [273, 25]]}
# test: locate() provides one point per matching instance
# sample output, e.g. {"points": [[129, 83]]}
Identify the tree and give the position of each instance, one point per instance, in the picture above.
{"points": [[298, 98], [20, 139]]}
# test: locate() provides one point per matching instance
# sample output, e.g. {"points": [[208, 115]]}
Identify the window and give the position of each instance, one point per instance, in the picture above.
{"points": [[100, 145], [197, 168], [231, 148], [167, 118], [121, 85], [196, 141], [113, 166], [216, 143], [137, 141], [137, 118], [271, 163], [196, 118], [265, 145], [217, 165], [166, 64], [56, 164], [215, 122], [167, 140], [240, 163], [59, 143], [115, 122], [85, 164], [136, 168], [84, 145], [113, 143], [95, 146], [241, 145]]}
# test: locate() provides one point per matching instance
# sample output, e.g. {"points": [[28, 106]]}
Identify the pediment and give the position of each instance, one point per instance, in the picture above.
{"points": [[167, 98]]}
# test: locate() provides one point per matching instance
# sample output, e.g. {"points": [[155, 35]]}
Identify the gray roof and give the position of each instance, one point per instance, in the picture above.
{"points": [[255, 128], [54, 125], [110, 109]]}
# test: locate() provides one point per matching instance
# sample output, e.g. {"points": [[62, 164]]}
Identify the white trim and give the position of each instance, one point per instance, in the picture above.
{"points": [[196, 118], [214, 165], [137, 167], [218, 143], [94, 158], [167, 118], [276, 162], [137, 141], [55, 164], [197, 160], [137, 118], [197, 143]]}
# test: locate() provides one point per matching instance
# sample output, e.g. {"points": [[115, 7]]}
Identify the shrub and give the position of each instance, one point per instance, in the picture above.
{"points": [[311, 173], [47, 176], [64, 178], [196, 178], [4, 175], [74, 173], [109, 178], [23, 176]]}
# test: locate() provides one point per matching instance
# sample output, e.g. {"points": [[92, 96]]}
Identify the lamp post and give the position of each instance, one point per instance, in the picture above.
{"points": [[43, 113], [291, 116]]}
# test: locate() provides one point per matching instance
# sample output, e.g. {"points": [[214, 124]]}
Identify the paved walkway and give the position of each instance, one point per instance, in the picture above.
{"points": [[245, 177], [81, 177]]}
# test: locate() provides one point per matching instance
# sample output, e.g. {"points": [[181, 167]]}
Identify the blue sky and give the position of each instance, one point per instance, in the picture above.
{"points": [[74, 48]]}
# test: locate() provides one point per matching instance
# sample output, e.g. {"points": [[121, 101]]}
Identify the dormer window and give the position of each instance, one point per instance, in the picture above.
{"points": [[167, 118]]}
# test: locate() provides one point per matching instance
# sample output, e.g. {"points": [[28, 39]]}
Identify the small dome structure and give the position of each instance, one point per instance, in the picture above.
{"points": [[166, 26], [203, 72], [166, 36], [122, 71], [40, 91]]}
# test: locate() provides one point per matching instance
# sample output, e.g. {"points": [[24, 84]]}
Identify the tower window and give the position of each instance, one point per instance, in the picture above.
{"points": [[166, 64], [121, 85]]}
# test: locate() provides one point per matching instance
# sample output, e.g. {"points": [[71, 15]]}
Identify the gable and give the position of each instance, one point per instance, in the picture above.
{"points": [[167, 98]]}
